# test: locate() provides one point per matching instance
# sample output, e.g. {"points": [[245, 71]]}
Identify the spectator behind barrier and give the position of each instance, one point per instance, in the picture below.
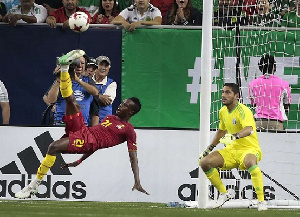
{"points": [[140, 13], [4, 103], [91, 67], [50, 5], [62, 14], [83, 88], [9, 4], [164, 6], [26, 12], [270, 96], [229, 15], [182, 13], [2, 10], [106, 13], [107, 90], [292, 18], [264, 16]]}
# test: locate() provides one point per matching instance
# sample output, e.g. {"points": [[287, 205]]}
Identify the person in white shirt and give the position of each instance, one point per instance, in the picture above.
{"points": [[26, 12], [140, 13], [4, 103]]}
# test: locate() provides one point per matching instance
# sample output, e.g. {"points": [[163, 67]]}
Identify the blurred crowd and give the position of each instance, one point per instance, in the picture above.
{"points": [[99, 89], [132, 13]]}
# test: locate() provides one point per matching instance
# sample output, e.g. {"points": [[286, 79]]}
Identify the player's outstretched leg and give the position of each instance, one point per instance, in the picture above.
{"points": [[61, 145], [72, 106], [68, 58]]}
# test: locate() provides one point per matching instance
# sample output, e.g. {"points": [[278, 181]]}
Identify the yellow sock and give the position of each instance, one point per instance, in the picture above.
{"points": [[65, 84], [257, 180], [45, 166], [214, 177]]}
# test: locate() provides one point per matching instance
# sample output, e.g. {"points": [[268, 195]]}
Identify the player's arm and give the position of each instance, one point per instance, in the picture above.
{"points": [[5, 112], [228, 138], [76, 163], [135, 170], [216, 140], [246, 131]]}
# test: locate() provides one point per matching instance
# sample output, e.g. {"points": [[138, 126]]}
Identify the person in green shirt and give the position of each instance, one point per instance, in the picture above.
{"points": [[292, 18]]}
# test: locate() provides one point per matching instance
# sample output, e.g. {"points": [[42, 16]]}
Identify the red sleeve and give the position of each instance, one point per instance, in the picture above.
{"points": [[94, 19], [59, 15], [131, 140]]}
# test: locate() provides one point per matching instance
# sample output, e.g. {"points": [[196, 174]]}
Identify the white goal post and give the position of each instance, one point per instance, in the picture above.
{"points": [[235, 52]]}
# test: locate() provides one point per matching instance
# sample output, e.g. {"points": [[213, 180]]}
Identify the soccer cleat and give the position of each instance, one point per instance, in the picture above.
{"points": [[261, 206], [26, 192], [223, 198], [68, 58]]}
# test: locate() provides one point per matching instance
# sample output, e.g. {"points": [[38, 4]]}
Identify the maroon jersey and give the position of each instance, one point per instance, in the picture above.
{"points": [[60, 14], [110, 132]]}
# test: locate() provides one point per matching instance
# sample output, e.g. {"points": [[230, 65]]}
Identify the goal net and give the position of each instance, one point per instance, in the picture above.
{"points": [[243, 32]]}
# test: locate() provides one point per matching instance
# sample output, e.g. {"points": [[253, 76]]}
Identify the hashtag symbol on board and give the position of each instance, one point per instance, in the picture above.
{"points": [[195, 87]]}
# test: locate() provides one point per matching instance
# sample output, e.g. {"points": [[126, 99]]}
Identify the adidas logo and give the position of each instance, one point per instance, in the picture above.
{"points": [[30, 163]]}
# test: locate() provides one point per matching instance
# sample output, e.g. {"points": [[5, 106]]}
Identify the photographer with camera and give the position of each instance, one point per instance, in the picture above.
{"points": [[83, 88]]}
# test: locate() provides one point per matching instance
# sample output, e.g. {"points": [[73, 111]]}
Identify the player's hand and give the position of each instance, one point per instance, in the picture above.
{"points": [[206, 152], [137, 186], [227, 139], [66, 165]]}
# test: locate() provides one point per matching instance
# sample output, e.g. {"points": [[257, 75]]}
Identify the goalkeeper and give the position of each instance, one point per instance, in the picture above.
{"points": [[237, 132]]}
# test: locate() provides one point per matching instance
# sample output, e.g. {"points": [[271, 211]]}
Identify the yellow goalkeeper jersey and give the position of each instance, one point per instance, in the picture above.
{"points": [[234, 121]]}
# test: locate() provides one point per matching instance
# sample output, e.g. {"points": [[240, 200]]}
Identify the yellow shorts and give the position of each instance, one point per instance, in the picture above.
{"points": [[234, 158]]}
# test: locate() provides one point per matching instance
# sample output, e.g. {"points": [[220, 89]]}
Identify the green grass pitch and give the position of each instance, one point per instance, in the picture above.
{"points": [[30, 208]]}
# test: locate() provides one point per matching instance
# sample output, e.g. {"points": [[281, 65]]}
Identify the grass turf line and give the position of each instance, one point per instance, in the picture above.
{"points": [[29, 208]]}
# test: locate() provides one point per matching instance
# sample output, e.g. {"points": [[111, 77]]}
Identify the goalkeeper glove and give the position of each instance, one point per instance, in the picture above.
{"points": [[206, 152], [227, 139]]}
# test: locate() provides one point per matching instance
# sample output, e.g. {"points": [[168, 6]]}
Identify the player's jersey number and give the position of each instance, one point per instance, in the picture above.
{"points": [[78, 142], [106, 123]]}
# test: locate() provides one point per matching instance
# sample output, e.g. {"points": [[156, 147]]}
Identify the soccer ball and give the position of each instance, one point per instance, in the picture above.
{"points": [[79, 22]]}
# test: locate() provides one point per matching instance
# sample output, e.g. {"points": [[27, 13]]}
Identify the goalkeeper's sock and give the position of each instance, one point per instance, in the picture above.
{"points": [[257, 180], [65, 82], [214, 177], [46, 164]]}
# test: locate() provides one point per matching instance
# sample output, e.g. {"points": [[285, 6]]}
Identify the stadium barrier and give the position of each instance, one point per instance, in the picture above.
{"points": [[168, 168]]}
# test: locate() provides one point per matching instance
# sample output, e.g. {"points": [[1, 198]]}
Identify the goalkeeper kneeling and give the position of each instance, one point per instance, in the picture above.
{"points": [[237, 132]]}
